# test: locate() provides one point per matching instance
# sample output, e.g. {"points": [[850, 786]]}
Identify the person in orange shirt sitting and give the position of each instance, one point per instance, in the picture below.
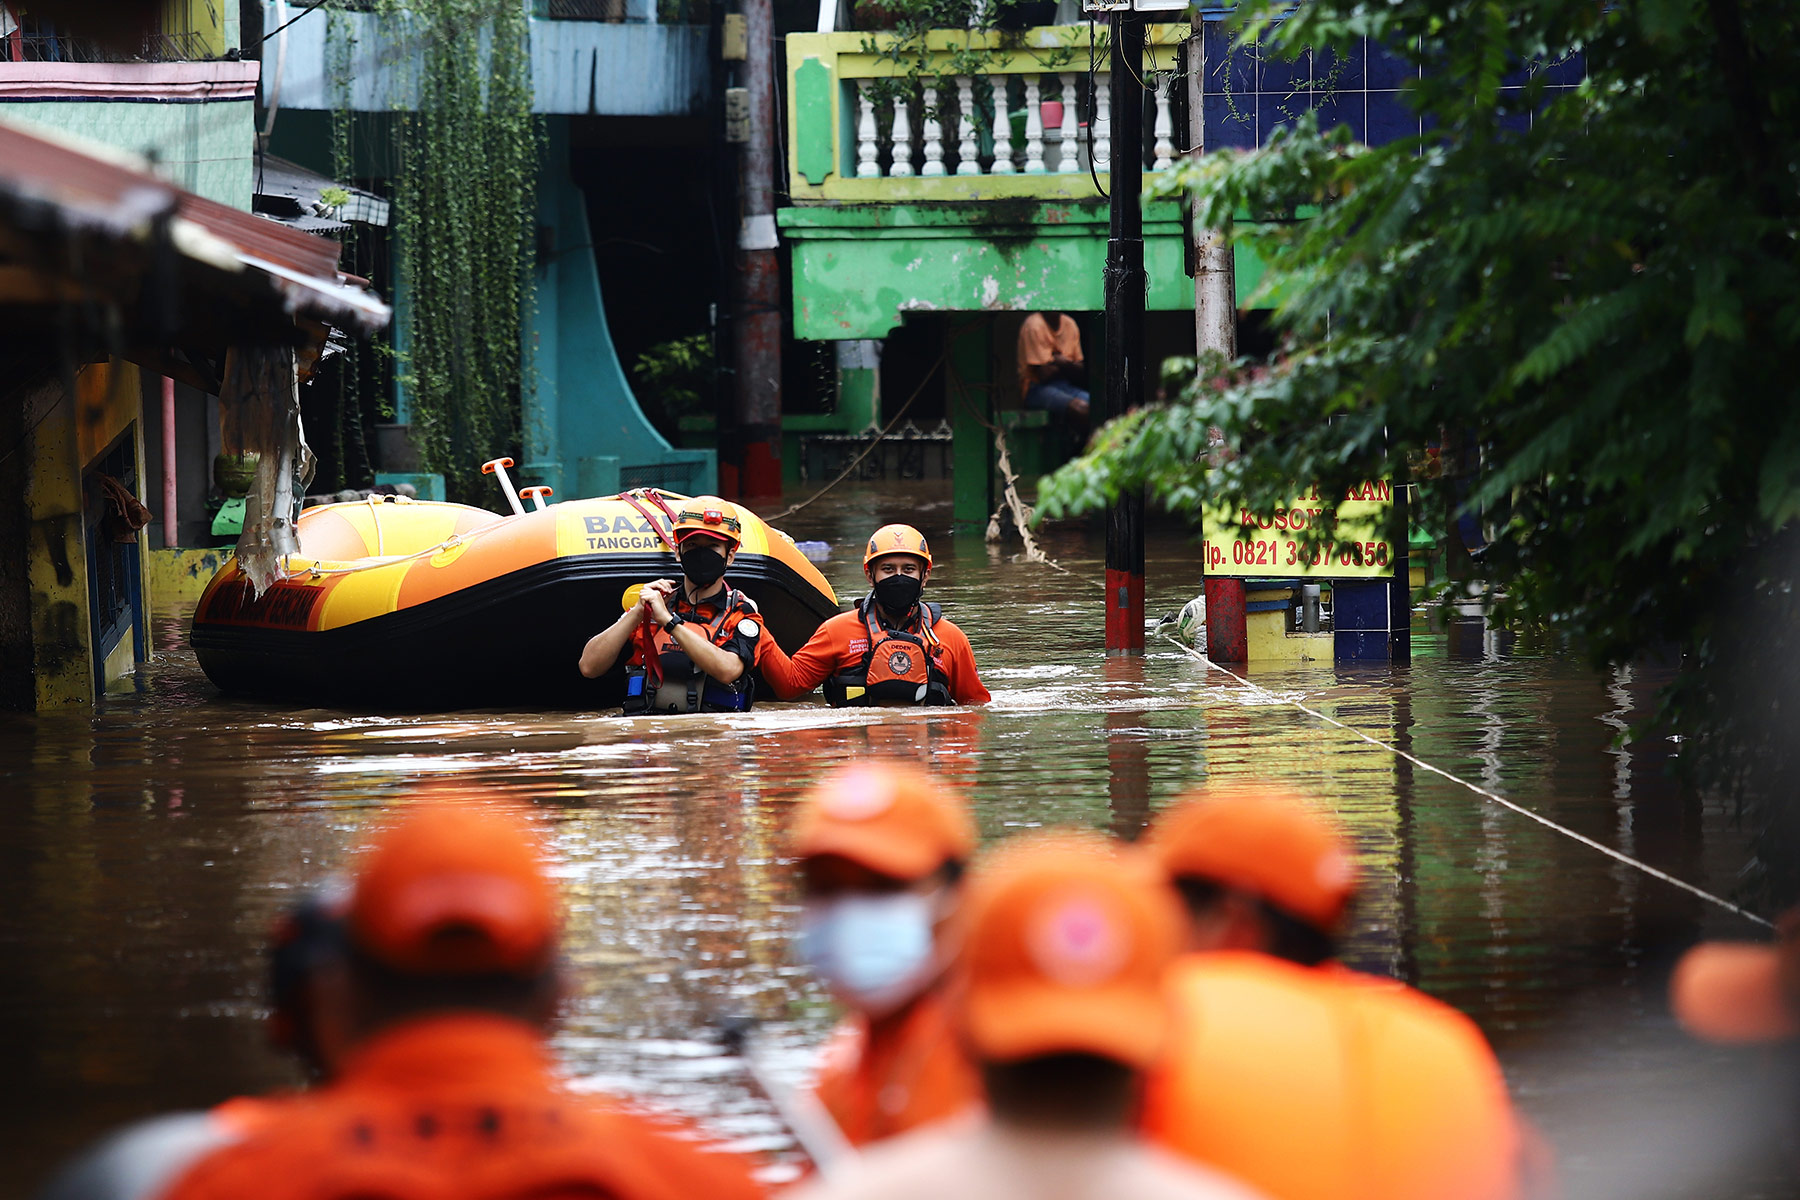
{"points": [[1052, 372], [881, 850], [1298, 1076], [891, 649], [434, 1014]]}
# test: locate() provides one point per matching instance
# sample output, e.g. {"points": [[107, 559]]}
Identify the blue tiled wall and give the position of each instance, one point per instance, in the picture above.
{"points": [[1246, 95]]}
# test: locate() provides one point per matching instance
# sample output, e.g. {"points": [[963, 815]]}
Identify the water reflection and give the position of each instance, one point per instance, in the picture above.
{"points": [[145, 851]]}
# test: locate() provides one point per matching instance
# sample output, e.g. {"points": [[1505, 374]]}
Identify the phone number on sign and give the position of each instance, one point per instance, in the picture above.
{"points": [[1270, 553]]}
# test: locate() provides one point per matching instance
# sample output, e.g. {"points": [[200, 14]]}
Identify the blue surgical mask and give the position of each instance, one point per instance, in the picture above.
{"points": [[873, 951]]}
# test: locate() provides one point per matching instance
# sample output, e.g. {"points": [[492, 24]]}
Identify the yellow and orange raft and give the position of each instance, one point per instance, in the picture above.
{"points": [[423, 604]]}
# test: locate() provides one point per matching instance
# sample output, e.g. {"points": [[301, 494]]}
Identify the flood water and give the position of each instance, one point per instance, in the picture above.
{"points": [[146, 849]]}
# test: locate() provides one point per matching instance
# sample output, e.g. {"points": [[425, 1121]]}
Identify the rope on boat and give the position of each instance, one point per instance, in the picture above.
{"points": [[318, 570], [668, 535], [375, 520], [1416, 761]]}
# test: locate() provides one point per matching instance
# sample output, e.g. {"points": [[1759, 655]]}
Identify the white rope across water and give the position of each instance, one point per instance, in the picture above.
{"points": [[1416, 761]]}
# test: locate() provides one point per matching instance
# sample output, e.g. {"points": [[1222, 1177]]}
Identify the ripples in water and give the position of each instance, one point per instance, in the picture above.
{"points": [[147, 848]]}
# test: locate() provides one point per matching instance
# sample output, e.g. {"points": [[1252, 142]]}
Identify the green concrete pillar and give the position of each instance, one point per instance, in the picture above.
{"points": [[858, 385], [969, 396]]}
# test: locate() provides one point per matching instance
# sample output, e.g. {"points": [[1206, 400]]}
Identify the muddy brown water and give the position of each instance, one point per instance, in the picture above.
{"points": [[146, 848]]}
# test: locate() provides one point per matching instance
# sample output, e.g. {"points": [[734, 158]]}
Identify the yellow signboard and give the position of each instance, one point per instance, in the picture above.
{"points": [[1274, 542]]}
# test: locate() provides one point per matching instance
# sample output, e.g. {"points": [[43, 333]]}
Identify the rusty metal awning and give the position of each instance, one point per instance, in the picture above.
{"points": [[81, 224]]}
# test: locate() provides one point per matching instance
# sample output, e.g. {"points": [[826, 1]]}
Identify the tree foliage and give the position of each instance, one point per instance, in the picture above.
{"points": [[677, 374], [1593, 301], [464, 203], [919, 55]]}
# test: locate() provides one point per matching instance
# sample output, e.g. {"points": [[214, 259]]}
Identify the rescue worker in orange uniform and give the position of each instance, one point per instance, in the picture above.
{"points": [[881, 850], [892, 649], [1057, 992], [1296, 1075], [435, 1013], [692, 645]]}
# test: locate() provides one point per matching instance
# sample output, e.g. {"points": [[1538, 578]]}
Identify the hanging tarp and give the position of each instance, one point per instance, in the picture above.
{"points": [[259, 412]]}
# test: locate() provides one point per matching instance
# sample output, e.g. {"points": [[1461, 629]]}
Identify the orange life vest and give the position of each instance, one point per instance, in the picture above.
{"points": [[898, 668], [668, 680]]}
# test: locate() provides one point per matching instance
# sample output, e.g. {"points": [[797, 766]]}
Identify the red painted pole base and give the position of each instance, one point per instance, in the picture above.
{"points": [[761, 472], [1227, 639], [1124, 612]]}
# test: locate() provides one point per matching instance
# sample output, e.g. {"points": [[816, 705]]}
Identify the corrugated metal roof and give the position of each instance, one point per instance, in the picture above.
{"points": [[293, 194], [53, 188]]}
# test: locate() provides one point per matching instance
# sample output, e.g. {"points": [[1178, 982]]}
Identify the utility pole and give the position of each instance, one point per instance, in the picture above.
{"points": [[1215, 328], [1215, 275], [758, 293], [1125, 285]]}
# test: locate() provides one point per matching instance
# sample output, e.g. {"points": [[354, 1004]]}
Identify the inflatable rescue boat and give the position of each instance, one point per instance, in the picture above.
{"points": [[421, 604]]}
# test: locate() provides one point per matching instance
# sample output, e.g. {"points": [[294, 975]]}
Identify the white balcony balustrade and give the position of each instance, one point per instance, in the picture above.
{"points": [[865, 109], [1000, 125]]}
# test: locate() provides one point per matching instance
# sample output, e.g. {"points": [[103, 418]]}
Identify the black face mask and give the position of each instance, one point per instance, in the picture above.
{"points": [[703, 565], [898, 593]]}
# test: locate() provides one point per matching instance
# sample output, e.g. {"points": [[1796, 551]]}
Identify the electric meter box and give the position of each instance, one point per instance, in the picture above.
{"points": [[737, 115], [734, 42]]}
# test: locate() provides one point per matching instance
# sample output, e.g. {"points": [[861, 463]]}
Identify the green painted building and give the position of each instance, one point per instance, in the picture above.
{"points": [[973, 201]]}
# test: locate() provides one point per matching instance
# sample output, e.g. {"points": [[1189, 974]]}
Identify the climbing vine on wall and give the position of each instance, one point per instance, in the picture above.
{"points": [[344, 454], [464, 205]]}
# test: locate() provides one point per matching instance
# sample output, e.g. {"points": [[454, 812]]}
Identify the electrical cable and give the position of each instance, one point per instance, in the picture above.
{"points": [[857, 461], [265, 37], [1484, 793], [1094, 117], [1495, 797]]}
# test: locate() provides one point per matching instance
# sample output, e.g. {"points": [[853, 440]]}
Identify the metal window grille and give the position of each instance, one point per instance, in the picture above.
{"points": [[674, 477], [39, 42]]}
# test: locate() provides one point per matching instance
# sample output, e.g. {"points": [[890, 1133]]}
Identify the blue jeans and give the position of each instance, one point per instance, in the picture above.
{"points": [[1054, 396]]}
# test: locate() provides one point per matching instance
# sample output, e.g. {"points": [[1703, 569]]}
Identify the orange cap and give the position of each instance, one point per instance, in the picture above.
{"points": [[1065, 942], [1732, 992], [890, 818], [455, 889], [1260, 841], [897, 539]]}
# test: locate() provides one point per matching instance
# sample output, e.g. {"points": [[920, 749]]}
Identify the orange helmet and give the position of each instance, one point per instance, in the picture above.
{"points": [[710, 515], [897, 539]]}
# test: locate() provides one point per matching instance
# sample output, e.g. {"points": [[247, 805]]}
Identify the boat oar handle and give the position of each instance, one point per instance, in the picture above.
{"points": [[497, 467], [807, 1119], [536, 494]]}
